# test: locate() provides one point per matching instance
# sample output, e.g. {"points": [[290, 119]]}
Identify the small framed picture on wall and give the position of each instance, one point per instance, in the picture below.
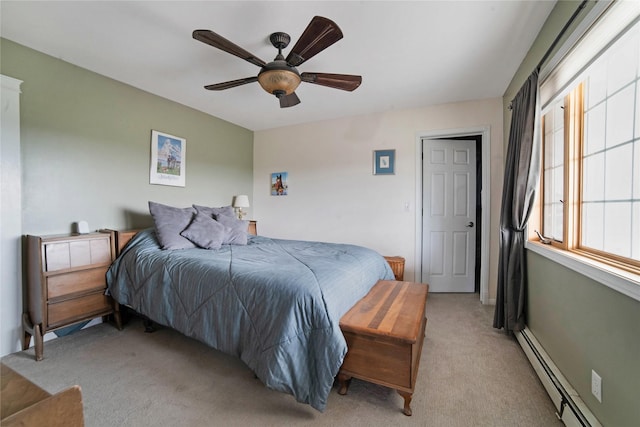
{"points": [[384, 162], [279, 184], [168, 159]]}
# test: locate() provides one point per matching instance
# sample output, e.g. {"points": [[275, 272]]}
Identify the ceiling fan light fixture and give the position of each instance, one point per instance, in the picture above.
{"points": [[273, 78], [280, 77]]}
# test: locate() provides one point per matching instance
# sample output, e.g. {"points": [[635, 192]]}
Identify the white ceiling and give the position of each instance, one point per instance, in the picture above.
{"points": [[410, 54]]}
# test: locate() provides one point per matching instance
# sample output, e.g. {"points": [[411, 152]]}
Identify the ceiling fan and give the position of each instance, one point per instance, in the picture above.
{"points": [[280, 77]]}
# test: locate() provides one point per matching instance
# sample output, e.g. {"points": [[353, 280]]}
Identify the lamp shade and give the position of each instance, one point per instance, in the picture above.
{"points": [[241, 201]]}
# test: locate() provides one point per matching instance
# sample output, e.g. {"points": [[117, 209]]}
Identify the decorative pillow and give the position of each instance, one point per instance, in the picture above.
{"points": [[216, 212], [205, 232], [169, 223], [236, 230]]}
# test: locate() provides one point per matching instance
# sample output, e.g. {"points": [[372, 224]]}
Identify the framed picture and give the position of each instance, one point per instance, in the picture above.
{"points": [[384, 162], [168, 159], [279, 184]]}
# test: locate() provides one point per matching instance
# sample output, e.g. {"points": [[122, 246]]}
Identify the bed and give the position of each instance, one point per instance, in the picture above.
{"points": [[276, 304]]}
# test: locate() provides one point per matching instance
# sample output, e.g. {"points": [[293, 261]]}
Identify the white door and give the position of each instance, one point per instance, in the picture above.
{"points": [[449, 215]]}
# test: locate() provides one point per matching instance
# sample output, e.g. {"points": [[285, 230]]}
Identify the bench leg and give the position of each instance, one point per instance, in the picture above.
{"points": [[344, 381], [407, 402]]}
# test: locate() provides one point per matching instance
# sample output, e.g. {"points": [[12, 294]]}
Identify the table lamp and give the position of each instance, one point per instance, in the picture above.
{"points": [[239, 202]]}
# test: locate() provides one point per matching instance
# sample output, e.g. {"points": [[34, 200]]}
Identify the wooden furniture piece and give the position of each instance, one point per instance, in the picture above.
{"points": [[122, 238], [253, 227], [397, 265], [26, 404], [66, 283], [384, 333]]}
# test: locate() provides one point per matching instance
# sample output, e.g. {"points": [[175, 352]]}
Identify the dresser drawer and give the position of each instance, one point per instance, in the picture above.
{"points": [[86, 307], [77, 253], [77, 281]]}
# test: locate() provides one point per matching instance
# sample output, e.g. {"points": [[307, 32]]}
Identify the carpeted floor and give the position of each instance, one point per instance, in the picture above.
{"points": [[470, 375]]}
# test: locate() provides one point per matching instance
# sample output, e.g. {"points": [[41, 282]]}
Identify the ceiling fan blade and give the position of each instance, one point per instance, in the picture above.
{"points": [[216, 40], [232, 83], [337, 81], [289, 100], [319, 35]]}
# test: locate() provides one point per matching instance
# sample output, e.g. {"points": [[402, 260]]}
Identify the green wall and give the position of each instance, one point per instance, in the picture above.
{"points": [[582, 324], [85, 142]]}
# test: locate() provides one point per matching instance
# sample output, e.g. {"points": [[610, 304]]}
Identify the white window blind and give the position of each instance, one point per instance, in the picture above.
{"points": [[604, 31]]}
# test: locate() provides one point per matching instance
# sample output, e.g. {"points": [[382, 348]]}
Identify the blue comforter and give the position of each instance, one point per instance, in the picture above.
{"points": [[276, 304]]}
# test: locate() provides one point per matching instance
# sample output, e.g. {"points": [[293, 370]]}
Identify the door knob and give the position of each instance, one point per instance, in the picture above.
{"points": [[470, 224]]}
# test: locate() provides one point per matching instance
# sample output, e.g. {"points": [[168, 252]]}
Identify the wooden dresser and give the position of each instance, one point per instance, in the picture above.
{"points": [[66, 282], [384, 333]]}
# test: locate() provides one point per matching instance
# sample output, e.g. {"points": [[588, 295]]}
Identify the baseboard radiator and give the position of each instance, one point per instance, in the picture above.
{"points": [[570, 408]]}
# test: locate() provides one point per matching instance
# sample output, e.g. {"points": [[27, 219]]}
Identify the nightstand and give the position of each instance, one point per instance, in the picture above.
{"points": [[397, 265], [66, 283], [253, 227]]}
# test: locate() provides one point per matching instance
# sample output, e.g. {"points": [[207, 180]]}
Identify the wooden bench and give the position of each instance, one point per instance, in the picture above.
{"points": [[26, 404], [384, 333]]}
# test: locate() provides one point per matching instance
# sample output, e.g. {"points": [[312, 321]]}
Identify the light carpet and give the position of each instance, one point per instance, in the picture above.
{"points": [[470, 375]]}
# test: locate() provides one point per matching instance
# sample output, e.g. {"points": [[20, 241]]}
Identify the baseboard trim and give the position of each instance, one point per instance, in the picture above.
{"points": [[571, 409]]}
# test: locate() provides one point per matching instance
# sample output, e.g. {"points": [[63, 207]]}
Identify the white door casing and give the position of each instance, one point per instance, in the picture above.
{"points": [[449, 215], [10, 217]]}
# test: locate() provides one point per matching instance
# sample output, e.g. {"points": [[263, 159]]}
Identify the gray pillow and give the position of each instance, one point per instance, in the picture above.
{"points": [[205, 232], [216, 212], [169, 223], [236, 230]]}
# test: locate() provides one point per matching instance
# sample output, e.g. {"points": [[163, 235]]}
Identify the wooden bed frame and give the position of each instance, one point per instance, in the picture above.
{"points": [[123, 237]]}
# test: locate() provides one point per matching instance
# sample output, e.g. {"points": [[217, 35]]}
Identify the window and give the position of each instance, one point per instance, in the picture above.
{"points": [[553, 171], [591, 158]]}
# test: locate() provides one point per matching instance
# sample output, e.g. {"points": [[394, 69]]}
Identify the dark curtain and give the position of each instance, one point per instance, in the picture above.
{"points": [[521, 174]]}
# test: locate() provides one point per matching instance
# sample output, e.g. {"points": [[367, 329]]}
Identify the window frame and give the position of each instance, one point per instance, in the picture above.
{"points": [[572, 188], [572, 181], [562, 244]]}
